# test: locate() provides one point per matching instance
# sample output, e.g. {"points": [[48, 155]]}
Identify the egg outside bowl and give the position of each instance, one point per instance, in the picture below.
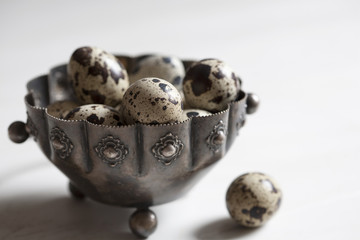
{"points": [[130, 166]]}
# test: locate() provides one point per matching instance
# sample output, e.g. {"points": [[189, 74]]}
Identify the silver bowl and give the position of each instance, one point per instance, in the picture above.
{"points": [[130, 166]]}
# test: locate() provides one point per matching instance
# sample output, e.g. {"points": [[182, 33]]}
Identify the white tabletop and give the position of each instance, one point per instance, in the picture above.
{"points": [[301, 57]]}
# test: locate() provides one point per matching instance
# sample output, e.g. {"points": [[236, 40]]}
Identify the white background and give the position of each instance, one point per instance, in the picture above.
{"points": [[301, 57]]}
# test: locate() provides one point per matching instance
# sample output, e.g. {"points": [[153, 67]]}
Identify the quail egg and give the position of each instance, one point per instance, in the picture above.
{"points": [[168, 68], [97, 114], [97, 76], [252, 199], [210, 85], [152, 100], [61, 109]]}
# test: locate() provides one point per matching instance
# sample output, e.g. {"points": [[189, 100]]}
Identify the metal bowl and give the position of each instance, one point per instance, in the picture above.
{"points": [[130, 166]]}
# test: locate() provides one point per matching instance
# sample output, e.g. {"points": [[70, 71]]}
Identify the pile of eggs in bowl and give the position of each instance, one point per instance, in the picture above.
{"points": [[157, 90]]}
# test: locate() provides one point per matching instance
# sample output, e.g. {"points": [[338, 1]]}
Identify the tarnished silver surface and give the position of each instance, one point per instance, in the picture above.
{"points": [[133, 166], [111, 150], [143, 222], [217, 137], [60, 143], [167, 149], [252, 103], [17, 132]]}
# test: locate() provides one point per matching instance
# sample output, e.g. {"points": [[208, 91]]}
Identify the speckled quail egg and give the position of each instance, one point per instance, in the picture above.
{"points": [[168, 68], [253, 198], [152, 100], [97, 114], [61, 109], [97, 76], [210, 84]]}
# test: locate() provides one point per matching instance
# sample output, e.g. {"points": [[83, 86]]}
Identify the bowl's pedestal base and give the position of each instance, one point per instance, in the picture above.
{"points": [[142, 222]]}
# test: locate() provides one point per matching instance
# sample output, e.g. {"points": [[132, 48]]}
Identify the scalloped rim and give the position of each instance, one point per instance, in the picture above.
{"points": [[135, 124], [130, 125]]}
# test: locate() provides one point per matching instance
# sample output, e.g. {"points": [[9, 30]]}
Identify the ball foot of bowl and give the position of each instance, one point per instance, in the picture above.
{"points": [[75, 192], [143, 222]]}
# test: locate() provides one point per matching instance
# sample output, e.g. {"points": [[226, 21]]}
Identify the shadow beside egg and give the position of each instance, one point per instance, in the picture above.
{"points": [[224, 228]]}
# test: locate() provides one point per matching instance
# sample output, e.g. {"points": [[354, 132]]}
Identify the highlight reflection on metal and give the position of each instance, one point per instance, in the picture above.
{"points": [[61, 144], [217, 137], [167, 149], [111, 151]]}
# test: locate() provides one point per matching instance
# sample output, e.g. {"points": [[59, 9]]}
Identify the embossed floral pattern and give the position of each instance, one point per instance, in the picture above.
{"points": [[217, 137], [167, 149], [61, 144], [111, 151]]}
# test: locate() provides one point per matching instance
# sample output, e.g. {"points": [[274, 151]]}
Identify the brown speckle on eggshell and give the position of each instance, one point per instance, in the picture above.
{"points": [[253, 198], [97, 76], [152, 101]]}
